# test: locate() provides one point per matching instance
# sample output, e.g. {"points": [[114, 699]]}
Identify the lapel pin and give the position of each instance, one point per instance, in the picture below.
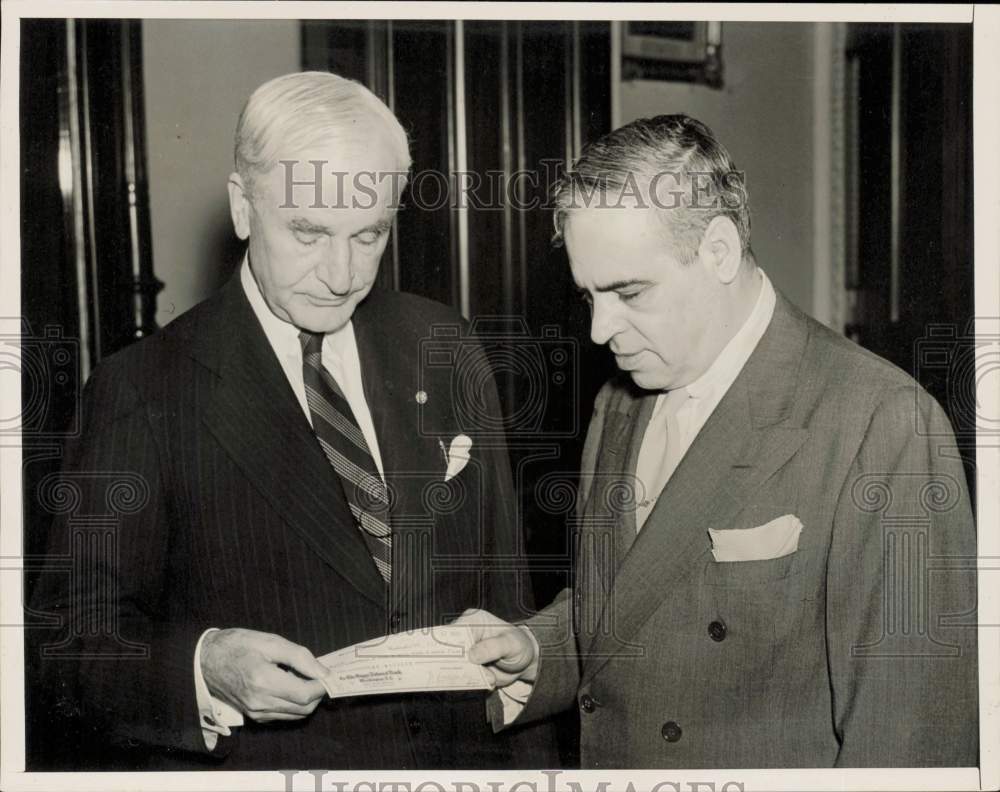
{"points": [[421, 397]]}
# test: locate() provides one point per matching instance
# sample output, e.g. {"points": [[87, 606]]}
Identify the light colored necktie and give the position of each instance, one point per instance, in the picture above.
{"points": [[660, 452]]}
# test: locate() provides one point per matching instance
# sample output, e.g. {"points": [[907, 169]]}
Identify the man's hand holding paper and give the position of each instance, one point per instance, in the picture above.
{"points": [[509, 652], [425, 660], [264, 676]]}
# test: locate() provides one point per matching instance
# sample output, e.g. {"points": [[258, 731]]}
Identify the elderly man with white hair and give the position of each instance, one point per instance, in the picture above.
{"points": [[293, 498]]}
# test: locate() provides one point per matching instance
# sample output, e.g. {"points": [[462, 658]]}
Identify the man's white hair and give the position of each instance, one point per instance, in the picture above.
{"points": [[303, 110]]}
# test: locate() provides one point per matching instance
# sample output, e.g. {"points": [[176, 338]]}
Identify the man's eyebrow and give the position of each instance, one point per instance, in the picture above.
{"points": [[308, 227], [301, 224], [381, 227], [623, 284]]}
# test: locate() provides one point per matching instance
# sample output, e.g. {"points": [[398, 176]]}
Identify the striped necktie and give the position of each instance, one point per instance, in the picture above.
{"points": [[344, 445]]}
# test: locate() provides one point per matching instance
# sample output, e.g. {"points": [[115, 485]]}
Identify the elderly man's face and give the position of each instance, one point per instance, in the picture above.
{"points": [[314, 264], [659, 317]]}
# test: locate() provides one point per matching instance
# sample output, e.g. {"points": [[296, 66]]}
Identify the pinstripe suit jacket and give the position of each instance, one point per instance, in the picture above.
{"points": [[858, 649], [235, 519]]}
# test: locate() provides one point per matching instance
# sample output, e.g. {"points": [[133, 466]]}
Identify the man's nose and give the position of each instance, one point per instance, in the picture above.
{"points": [[603, 322], [335, 270]]}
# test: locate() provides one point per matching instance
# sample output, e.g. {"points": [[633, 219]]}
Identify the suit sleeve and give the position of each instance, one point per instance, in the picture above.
{"points": [[900, 579], [117, 663], [558, 678]]}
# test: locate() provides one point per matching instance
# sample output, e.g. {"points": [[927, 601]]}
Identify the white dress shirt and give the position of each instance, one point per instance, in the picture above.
{"points": [[340, 358]]}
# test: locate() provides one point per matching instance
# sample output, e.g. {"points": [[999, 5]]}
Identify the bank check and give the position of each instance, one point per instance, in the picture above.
{"points": [[430, 659]]}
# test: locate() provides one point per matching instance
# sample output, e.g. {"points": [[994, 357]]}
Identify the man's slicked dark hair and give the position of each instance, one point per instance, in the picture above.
{"points": [[671, 162]]}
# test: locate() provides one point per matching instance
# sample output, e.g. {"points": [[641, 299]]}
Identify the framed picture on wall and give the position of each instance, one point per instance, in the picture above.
{"points": [[672, 51]]}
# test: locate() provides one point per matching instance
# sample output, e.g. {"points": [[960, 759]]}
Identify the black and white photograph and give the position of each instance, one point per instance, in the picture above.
{"points": [[499, 397]]}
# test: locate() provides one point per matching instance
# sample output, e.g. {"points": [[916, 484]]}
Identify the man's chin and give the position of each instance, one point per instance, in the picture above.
{"points": [[322, 319], [648, 380]]}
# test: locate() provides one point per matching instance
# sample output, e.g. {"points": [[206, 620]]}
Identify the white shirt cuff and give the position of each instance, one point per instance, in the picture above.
{"points": [[514, 697], [216, 716]]}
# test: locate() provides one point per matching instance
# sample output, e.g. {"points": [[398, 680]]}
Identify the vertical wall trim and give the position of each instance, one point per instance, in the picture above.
{"points": [[390, 68], [568, 97], [822, 150], [616, 74], [376, 61], [522, 216], [507, 165], [89, 239], [838, 177], [380, 79], [70, 153], [450, 138], [852, 275], [141, 321], [572, 93], [461, 169], [828, 174], [577, 78], [371, 47], [390, 89], [896, 178]]}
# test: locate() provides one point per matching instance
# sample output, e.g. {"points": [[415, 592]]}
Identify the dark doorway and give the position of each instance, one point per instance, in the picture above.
{"points": [[910, 272]]}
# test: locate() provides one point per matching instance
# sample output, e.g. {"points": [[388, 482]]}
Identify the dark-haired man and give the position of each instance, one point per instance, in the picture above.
{"points": [[765, 598]]}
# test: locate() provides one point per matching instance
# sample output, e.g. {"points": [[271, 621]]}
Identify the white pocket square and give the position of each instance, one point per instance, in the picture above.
{"points": [[457, 455], [774, 539]]}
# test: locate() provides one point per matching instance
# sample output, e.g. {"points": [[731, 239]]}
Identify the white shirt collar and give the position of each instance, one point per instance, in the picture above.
{"points": [[340, 358], [727, 366]]}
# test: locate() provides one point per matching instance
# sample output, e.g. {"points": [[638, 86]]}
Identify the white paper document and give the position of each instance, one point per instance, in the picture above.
{"points": [[423, 660]]}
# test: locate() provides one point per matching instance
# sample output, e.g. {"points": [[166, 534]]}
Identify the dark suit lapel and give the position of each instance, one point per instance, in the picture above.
{"points": [[256, 418], [389, 372], [750, 435]]}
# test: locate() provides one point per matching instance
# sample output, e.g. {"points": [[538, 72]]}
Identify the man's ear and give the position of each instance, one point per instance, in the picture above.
{"points": [[721, 247], [239, 205]]}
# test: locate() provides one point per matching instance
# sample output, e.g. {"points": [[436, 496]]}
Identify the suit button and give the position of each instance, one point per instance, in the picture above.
{"points": [[587, 703], [415, 725], [394, 622], [717, 630], [671, 732]]}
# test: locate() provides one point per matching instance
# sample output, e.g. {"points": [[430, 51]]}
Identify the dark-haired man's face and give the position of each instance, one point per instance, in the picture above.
{"points": [[315, 263], [663, 320]]}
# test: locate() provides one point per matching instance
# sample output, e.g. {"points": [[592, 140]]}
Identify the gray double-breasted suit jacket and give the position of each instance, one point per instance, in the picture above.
{"points": [[857, 649]]}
